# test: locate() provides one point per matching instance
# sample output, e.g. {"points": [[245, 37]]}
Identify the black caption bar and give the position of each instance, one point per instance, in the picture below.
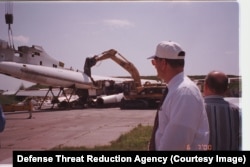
{"points": [[125, 158]]}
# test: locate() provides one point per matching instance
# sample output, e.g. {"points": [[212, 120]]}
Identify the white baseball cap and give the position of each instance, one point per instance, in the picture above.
{"points": [[168, 50]]}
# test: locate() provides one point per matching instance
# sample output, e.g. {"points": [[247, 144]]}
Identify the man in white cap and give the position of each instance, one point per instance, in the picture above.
{"points": [[181, 122]]}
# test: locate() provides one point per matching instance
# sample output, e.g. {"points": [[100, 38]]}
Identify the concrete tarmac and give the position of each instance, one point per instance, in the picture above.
{"points": [[82, 127]]}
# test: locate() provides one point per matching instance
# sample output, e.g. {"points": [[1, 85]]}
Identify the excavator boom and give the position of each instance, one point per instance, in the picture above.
{"points": [[119, 59]]}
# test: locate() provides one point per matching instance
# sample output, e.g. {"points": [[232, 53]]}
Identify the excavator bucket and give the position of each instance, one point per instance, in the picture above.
{"points": [[89, 63]]}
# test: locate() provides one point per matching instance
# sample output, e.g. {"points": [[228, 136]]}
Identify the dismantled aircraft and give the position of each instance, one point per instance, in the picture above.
{"points": [[33, 64]]}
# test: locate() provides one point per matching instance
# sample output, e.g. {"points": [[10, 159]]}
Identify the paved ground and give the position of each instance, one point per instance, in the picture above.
{"points": [[86, 127]]}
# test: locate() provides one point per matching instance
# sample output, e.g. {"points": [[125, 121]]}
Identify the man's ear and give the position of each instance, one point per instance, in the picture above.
{"points": [[164, 65]]}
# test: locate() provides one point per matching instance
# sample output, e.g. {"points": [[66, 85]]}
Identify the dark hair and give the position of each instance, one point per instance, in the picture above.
{"points": [[174, 63], [218, 84]]}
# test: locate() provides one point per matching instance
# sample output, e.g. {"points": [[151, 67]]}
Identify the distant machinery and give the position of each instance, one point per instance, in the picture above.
{"points": [[136, 95]]}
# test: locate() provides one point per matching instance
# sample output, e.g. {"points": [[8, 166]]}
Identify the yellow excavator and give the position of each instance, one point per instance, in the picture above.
{"points": [[136, 95]]}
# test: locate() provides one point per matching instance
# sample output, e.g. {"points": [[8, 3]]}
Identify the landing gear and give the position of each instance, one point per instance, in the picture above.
{"points": [[66, 103]]}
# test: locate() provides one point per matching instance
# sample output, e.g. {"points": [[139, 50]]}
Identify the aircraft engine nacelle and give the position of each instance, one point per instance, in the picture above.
{"points": [[109, 99]]}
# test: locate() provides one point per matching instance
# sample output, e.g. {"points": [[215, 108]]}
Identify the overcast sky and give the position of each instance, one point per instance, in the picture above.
{"points": [[72, 31]]}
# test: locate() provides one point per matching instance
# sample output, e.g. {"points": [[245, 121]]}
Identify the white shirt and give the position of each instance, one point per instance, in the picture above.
{"points": [[183, 123]]}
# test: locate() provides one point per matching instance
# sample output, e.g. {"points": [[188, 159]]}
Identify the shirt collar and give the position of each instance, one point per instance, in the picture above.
{"points": [[175, 80], [213, 96]]}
